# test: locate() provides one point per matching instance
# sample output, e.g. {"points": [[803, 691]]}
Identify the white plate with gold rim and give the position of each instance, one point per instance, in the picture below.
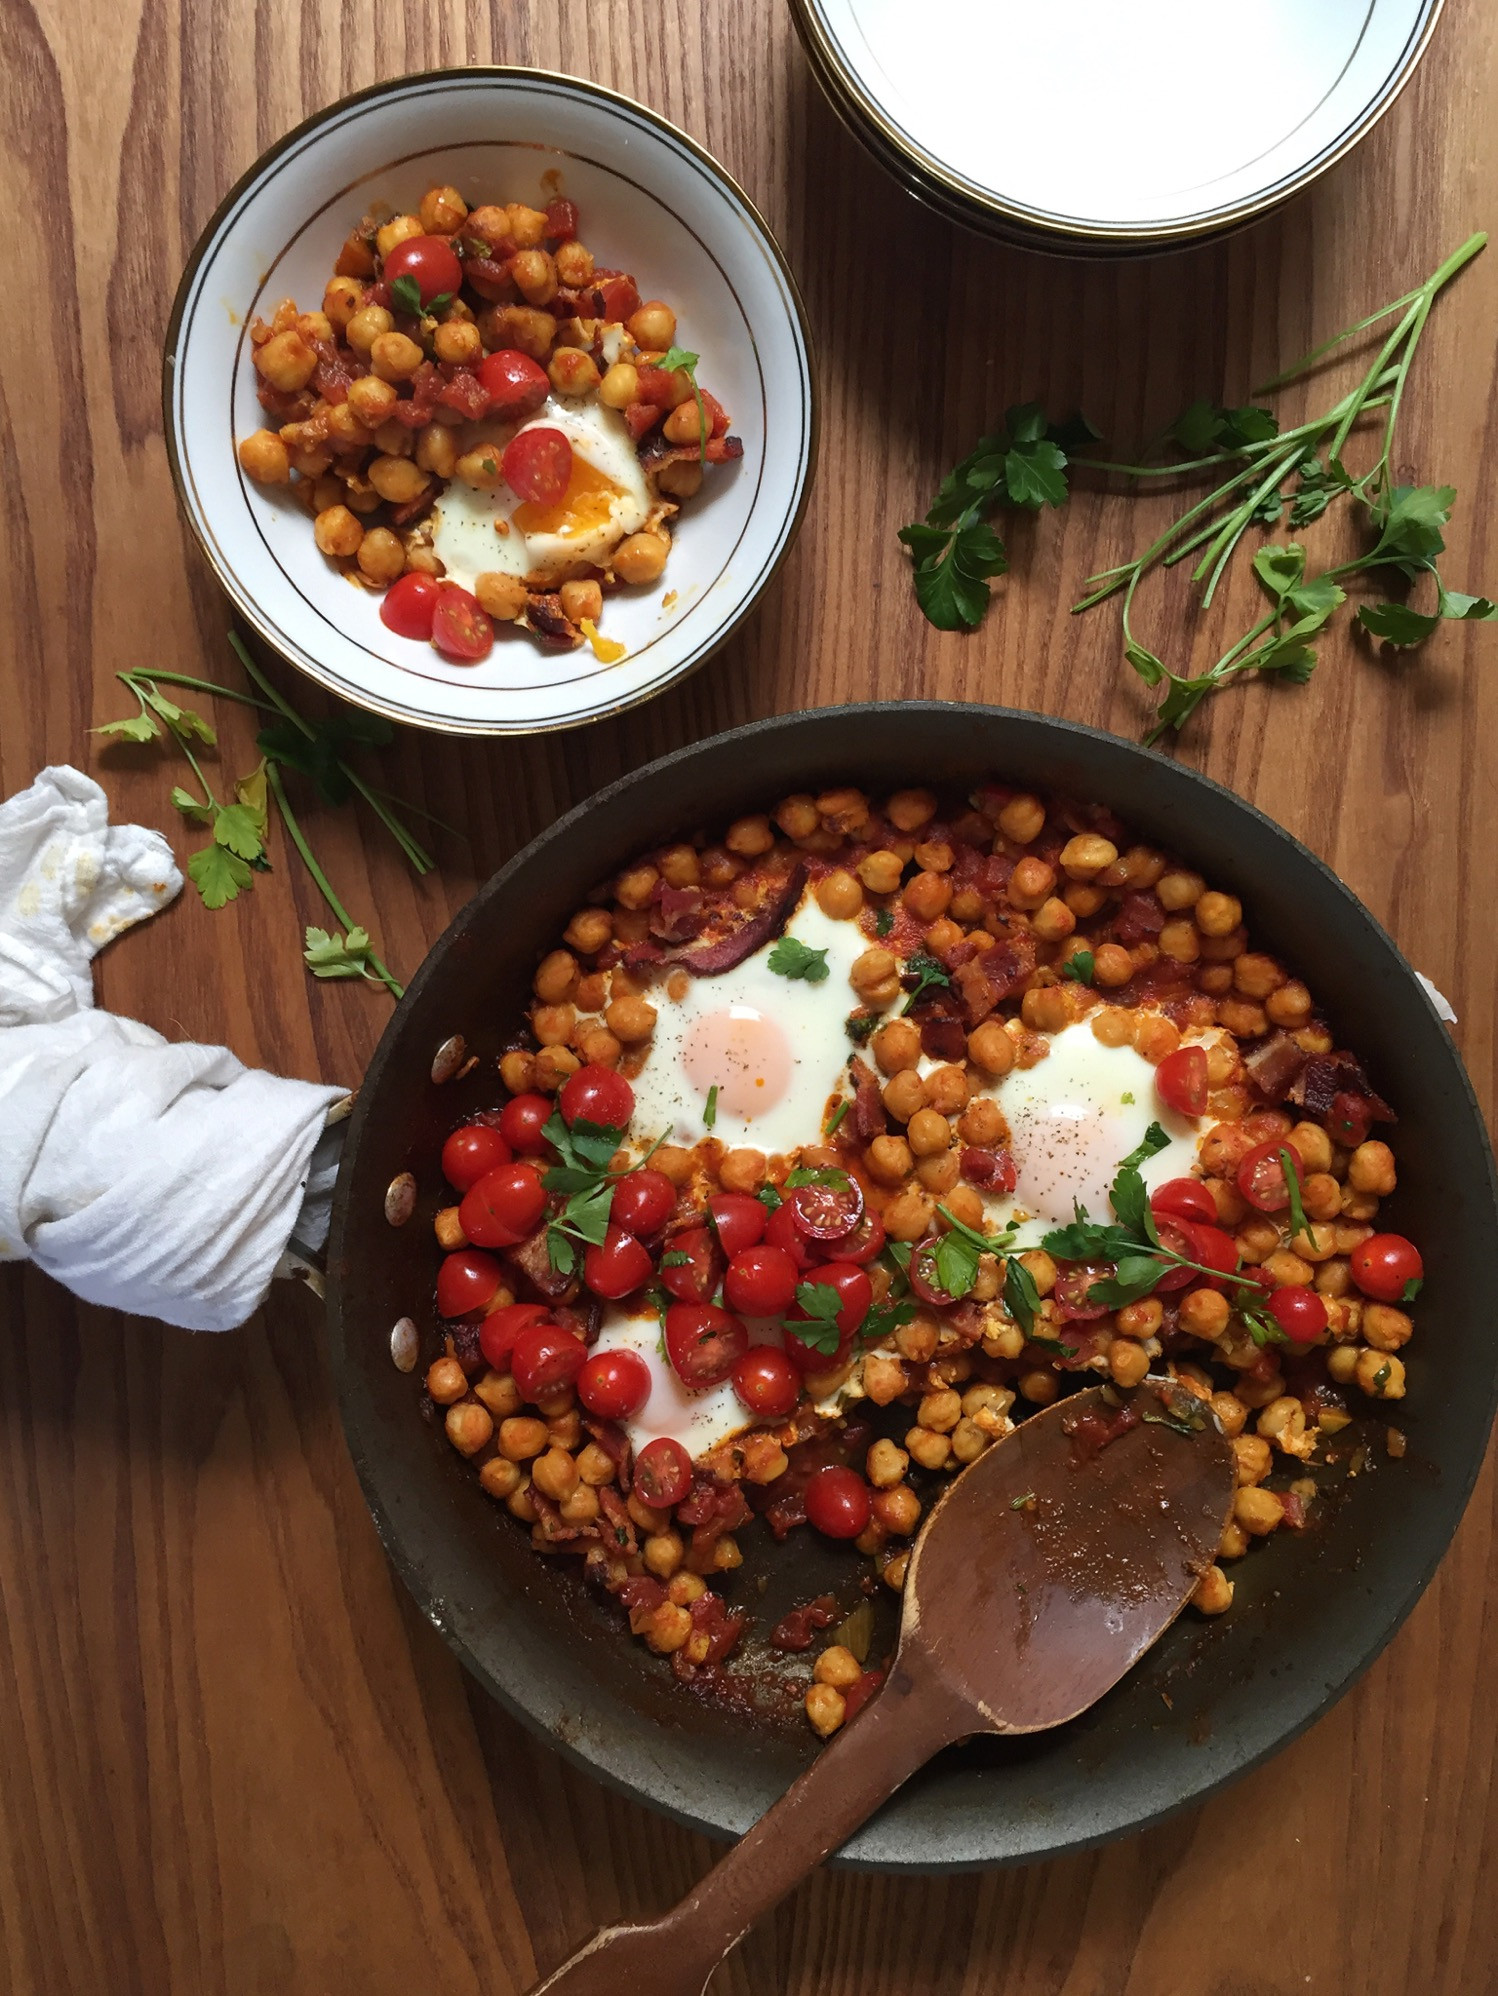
{"points": [[652, 202]]}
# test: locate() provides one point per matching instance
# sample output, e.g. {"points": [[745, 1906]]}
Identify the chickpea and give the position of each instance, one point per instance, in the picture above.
{"points": [[1053, 921], [553, 1025], [372, 400], [620, 385], [630, 1020], [886, 1464], [446, 1381], [469, 1426], [674, 1162], [1214, 1592], [556, 976], [940, 1411], [1231, 1413], [499, 1394], [265, 458], [1290, 1006], [652, 326], [1155, 1036], [883, 1380], [525, 327], [839, 895], [500, 1478], [502, 596], [663, 1553], [991, 1048], [1384, 1327], [555, 1475], [1086, 855], [1380, 1375], [573, 373], [397, 231], [1031, 883], [907, 1217], [1022, 819], [1142, 1319], [1256, 975], [896, 1046], [522, 1436], [1371, 1169], [903, 1094], [927, 895], [458, 343], [381, 556], [880, 871], [1047, 1008], [1204, 1312], [938, 1173], [337, 532], [928, 1132], [825, 1707], [517, 1070], [750, 838], [527, 226], [443, 210], [574, 264], [366, 326], [1128, 1362], [1178, 891], [889, 1160], [838, 1667], [1180, 941], [668, 1629], [930, 1449], [641, 558], [875, 976], [1254, 1458], [395, 357], [397, 479], [1286, 1269], [1038, 1387], [342, 299], [287, 362], [1259, 1512], [553, 1065]]}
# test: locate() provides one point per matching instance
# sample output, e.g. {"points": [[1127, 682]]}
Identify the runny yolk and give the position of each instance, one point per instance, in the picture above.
{"points": [[742, 1053], [587, 503]]}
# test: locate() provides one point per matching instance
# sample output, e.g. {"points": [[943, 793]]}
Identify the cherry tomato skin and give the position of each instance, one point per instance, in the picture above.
{"points": [[410, 603], [545, 1358], [1349, 1120], [429, 262], [767, 1382], [472, 1151], [619, 1265], [503, 1207], [1299, 1312], [922, 1274], [1384, 1265], [466, 1281], [1073, 1292], [1173, 1236], [1184, 1199], [703, 1343], [515, 384], [614, 1385], [781, 1231], [663, 1473], [738, 1221], [597, 1095], [1211, 1247], [461, 629], [1181, 1081], [855, 1292], [761, 1281], [695, 1279], [643, 1202], [862, 1244], [499, 1330], [1261, 1176], [521, 1122], [537, 466], [837, 1502], [827, 1212]]}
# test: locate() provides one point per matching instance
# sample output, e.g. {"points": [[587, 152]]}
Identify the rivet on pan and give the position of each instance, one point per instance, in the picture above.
{"points": [[404, 1345], [400, 1199], [449, 1058]]}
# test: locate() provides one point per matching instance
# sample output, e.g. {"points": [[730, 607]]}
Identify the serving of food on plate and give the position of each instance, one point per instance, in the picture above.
{"points": [[842, 1136]]}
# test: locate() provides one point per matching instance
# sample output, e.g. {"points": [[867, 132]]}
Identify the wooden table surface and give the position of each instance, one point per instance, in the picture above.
{"points": [[232, 1758]]}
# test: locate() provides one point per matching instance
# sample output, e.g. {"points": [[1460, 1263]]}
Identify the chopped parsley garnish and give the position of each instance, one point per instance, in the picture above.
{"points": [[1021, 1297], [587, 1150], [1079, 967], [1292, 1186], [710, 1113], [928, 974], [676, 360], [859, 1026], [821, 1174], [884, 921], [830, 1128], [769, 1198], [791, 958], [820, 1330]]}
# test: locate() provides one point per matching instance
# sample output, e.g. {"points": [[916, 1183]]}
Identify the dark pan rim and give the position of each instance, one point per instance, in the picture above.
{"points": [[533, 1701]]}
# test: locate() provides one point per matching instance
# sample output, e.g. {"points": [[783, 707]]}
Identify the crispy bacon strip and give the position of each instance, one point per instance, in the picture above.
{"points": [[724, 952]]}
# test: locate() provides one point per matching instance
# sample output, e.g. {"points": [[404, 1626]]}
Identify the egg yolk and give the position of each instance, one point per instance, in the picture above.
{"points": [[742, 1053], [1065, 1152], [587, 503]]}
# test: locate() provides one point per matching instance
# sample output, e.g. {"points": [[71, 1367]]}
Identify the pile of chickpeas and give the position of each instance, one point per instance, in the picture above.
{"points": [[960, 1375]]}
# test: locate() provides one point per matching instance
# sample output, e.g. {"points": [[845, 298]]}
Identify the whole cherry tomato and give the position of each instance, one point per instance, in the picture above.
{"points": [[515, 384], [614, 1385], [470, 1152], [703, 1343], [1184, 1199], [827, 1212], [782, 1231], [431, 265], [1210, 1247], [854, 1291], [499, 1330], [545, 1358], [1299, 1312], [692, 1266], [537, 465], [465, 1281], [837, 1502], [503, 1207], [663, 1473], [1181, 1081], [410, 603], [738, 1221], [616, 1266], [1385, 1265], [521, 1122], [761, 1281], [767, 1382], [643, 1201], [1349, 1120], [597, 1095], [1261, 1176], [461, 629], [862, 1244]]}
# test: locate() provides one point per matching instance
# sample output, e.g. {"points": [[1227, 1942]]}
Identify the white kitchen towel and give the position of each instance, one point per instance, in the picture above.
{"points": [[151, 1177]]}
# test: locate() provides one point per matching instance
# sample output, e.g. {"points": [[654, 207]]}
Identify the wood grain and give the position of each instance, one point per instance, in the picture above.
{"points": [[234, 1760]]}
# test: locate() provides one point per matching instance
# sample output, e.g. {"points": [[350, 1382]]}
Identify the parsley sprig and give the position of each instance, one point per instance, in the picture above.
{"points": [[792, 958], [585, 1181], [929, 975], [676, 360]]}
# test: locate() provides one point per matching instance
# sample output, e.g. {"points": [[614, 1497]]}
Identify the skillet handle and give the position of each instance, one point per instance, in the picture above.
{"points": [[908, 1720]]}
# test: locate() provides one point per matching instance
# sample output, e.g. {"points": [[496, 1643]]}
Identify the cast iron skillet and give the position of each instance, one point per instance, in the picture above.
{"points": [[1310, 1614]]}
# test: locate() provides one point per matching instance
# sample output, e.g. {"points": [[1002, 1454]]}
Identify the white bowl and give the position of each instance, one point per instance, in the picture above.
{"points": [[653, 203]]}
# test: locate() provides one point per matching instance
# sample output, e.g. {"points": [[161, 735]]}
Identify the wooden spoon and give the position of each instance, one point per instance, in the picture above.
{"points": [[1044, 1572]]}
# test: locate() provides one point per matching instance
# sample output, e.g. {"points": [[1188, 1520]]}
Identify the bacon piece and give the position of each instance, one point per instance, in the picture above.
{"points": [[553, 1528], [943, 1035], [285, 405], [640, 417], [793, 1633], [993, 1169], [490, 278], [1139, 917], [714, 1634], [678, 915], [533, 1260], [993, 976], [335, 372], [643, 956], [1325, 1076], [1274, 1065], [561, 219], [707, 959], [464, 392], [547, 618], [612, 1439], [583, 1316], [869, 1120], [718, 450], [412, 509], [712, 1509], [1295, 1509], [619, 1532]]}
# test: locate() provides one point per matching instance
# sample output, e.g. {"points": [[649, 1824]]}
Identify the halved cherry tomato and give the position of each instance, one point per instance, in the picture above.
{"points": [[767, 1382], [865, 1241], [499, 1330], [827, 1212], [782, 1231], [923, 1278], [470, 1152], [1299, 1312], [703, 1343], [1261, 1176], [663, 1473], [514, 383], [597, 1095], [643, 1201], [461, 629], [1384, 1266], [617, 1265], [521, 1122], [691, 1266], [614, 1385], [1073, 1300], [537, 465], [545, 1358], [738, 1221], [503, 1207], [1173, 1235], [410, 603], [431, 265], [837, 1502], [466, 1281], [761, 1281], [1209, 1246], [1181, 1081], [1184, 1199]]}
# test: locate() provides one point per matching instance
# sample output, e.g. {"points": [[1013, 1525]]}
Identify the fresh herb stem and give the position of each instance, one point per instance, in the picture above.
{"points": [[341, 914], [199, 686]]}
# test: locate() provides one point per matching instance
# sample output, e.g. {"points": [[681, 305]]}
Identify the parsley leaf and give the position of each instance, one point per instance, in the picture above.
{"points": [[407, 294], [1057, 1345], [929, 975], [1021, 1297], [883, 1320], [135, 728], [676, 360], [958, 1252], [820, 1174], [336, 955], [238, 827], [1079, 966], [769, 1198], [792, 958], [884, 921], [320, 754], [1412, 1289], [820, 1329], [218, 874], [860, 1026]]}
